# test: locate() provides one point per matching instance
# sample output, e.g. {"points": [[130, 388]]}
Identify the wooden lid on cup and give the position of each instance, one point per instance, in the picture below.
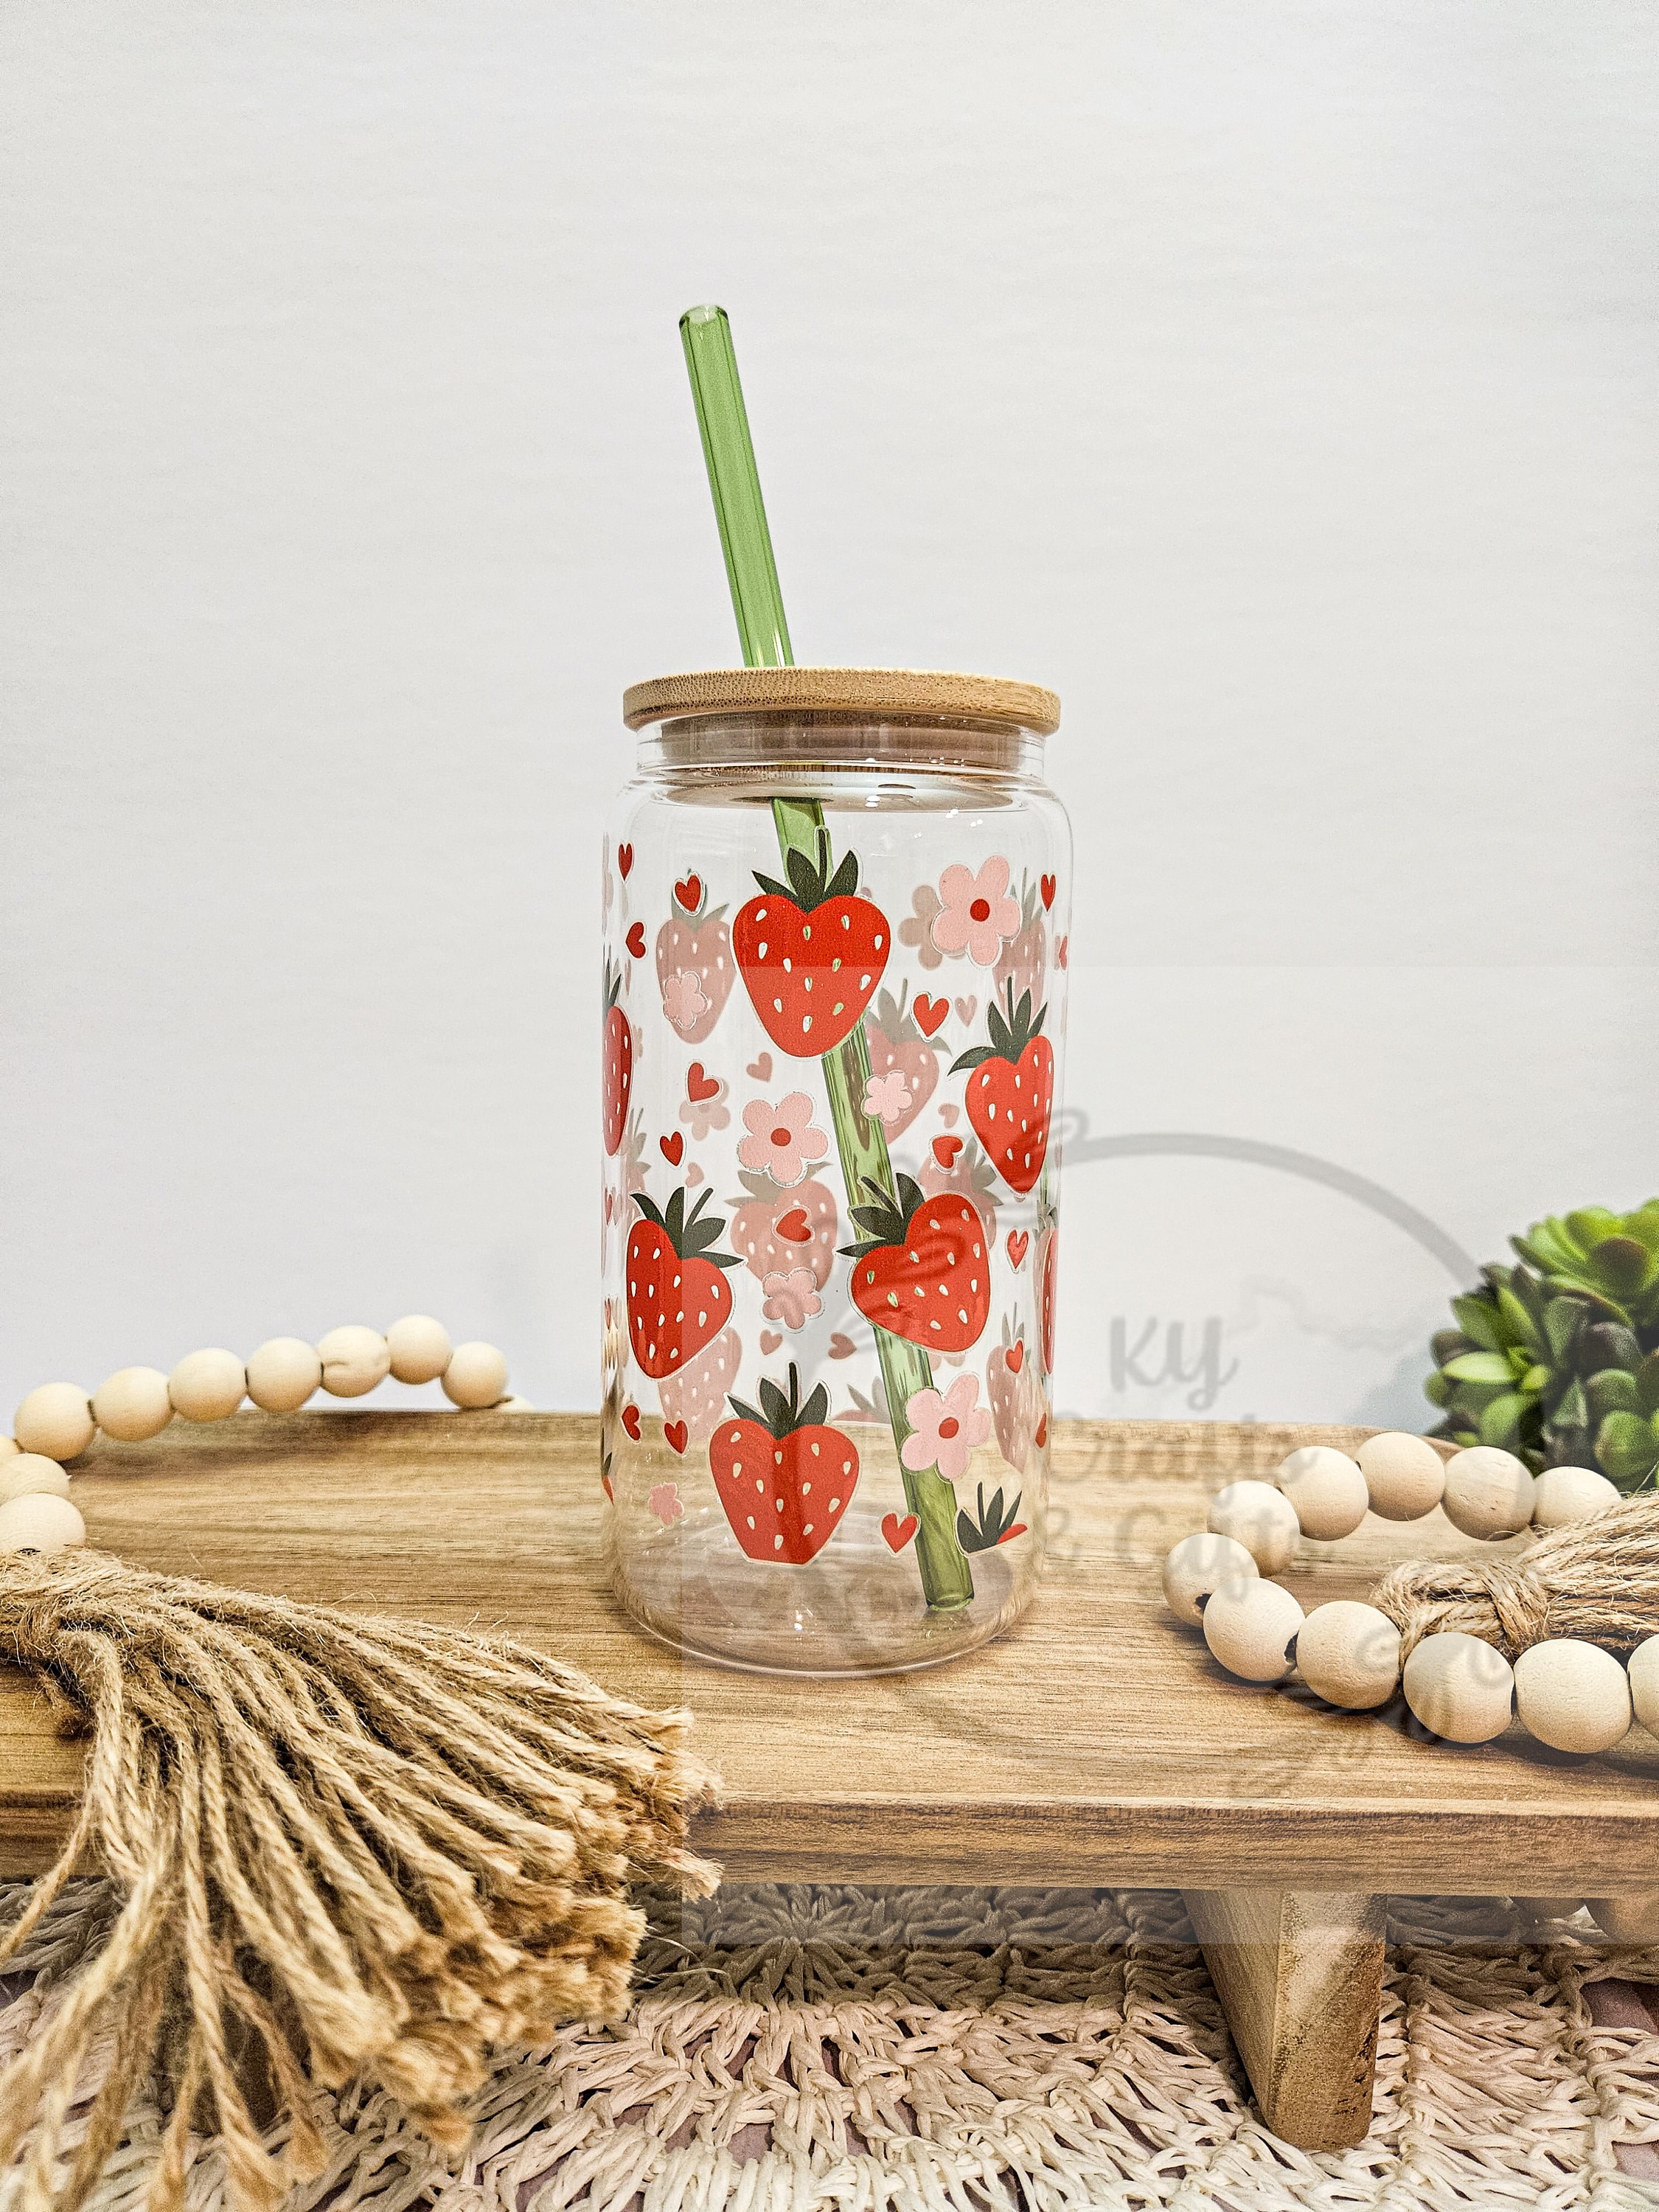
{"points": [[905, 694]]}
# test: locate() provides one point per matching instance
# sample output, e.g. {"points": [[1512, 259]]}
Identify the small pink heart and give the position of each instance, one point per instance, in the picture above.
{"points": [[948, 1114], [693, 1175], [966, 1009], [840, 1347], [899, 1533], [769, 1341], [761, 1069]]}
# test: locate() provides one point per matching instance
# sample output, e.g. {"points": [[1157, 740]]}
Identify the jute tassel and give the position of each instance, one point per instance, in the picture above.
{"points": [[353, 1847], [1597, 1580]]}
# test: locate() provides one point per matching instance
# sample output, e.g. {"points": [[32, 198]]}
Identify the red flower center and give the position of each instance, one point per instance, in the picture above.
{"points": [[979, 911], [781, 1135], [948, 1427]]}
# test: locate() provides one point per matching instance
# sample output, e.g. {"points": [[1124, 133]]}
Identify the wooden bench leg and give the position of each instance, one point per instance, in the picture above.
{"points": [[1299, 1973]]}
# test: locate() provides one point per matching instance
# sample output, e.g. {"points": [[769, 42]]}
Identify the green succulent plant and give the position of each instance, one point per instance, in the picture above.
{"points": [[1557, 1358]]}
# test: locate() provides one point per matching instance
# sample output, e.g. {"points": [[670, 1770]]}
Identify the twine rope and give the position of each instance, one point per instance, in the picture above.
{"points": [[344, 1848], [1596, 1580]]}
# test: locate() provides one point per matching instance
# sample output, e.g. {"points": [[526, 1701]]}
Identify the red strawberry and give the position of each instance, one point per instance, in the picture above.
{"points": [[923, 1271], [698, 945], [971, 1177], [811, 952], [617, 1052], [1012, 1090], [1016, 1397], [896, 1041], [784, 1478], [678, 1299], [758, 1227]]}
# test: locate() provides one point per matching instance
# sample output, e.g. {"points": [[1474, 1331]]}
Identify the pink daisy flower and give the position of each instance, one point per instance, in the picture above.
{"points": [[781, 1138], [976, 912], [945, 1428], [792, 1298], [887, 1097]]}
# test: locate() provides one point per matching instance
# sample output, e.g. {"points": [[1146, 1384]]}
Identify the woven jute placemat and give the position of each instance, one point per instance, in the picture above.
{"points": [[920, 2050]]}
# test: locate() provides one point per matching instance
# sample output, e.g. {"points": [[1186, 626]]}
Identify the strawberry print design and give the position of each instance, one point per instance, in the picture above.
{"points": [[970, 1176], [778, 1229], [784, 1476], [695, 1393], [923, 1272], [679, 1299], [617, 1057], [695, 972], [1024, 959], [898, 1047], [1011, 1091], [811, 952], [1046, 1277], [1016, 1396]]}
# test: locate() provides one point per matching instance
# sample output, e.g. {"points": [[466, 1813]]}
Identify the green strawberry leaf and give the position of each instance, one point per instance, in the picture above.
{"points": [[845, 881]]}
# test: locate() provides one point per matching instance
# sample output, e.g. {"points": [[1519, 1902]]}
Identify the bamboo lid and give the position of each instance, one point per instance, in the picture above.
{"points": [[912, 694]]}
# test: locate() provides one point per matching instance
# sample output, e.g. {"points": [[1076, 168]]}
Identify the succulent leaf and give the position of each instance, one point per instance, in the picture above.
{"points": [[1628, 1448]]}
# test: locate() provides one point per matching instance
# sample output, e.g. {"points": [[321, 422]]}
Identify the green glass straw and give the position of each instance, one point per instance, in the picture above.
{"points": [[947, 1580]]}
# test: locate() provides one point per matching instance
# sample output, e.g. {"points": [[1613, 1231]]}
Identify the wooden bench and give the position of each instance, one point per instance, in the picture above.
{"points": [[1097, 1744]]}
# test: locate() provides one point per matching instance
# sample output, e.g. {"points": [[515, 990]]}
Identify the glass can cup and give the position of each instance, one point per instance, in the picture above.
{"points": [[836, 932]]}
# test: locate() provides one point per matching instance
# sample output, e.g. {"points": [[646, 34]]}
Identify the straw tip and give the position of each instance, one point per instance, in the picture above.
{"points": [[707, 314]]}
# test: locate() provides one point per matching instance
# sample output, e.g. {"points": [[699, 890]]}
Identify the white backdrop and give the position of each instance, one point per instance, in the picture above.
{"points": [[1275, 381]]}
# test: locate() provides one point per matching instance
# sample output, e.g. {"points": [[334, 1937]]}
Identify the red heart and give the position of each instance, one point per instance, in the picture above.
{"points": [[899, 1533], [1014, 1356], [1042, 1431], [699, 1085], [636, 940], [673, 1148], [929, 1012], [945, 1150], [688, 892], [625, 859], [794, 1228], [631, 1420], [1048, 891], [1019, 1241], [678, 1434]]}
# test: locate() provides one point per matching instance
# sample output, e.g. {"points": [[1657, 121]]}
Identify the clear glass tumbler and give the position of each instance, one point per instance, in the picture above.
{"points": [[836, 908]]}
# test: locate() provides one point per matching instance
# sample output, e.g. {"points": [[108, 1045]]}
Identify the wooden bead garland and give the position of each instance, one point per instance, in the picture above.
{"points": [[1566, 1690], [58, 1425]]}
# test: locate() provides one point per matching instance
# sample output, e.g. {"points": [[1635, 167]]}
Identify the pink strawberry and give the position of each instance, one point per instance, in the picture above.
{"points": [[970, 1176], [1011, 1091], [783, 1476], [617, 1063], [1024, 959], [678, 1299], [695, 1393], [1016, 1397], [697, 944], [811, 952], [896, 1042], [767, 1231], [923, 1270]]}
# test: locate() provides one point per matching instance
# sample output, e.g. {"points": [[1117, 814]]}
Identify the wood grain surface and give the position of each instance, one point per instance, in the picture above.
{"points": [[1098, 1742]]}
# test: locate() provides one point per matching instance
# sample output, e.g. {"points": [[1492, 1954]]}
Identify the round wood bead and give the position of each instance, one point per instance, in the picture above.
{"points": [[353, 1360], [514, 1405], [1632, 1920], [1488, 1492], [1260, 1518], [133, 1405], [1349, 1655], [55, 1420], [1642, 1671], [1459, 1687], [1249, 1624], [1565, 1494], [1542, 1910], [476, 1375], [1195, 1565], [1327, 1489], [40, 1523], [207, 1386], [283, 1374], [420, 1348], [1404, 1475], [31, 1474], [1572, 1696], [8, 1446]]}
